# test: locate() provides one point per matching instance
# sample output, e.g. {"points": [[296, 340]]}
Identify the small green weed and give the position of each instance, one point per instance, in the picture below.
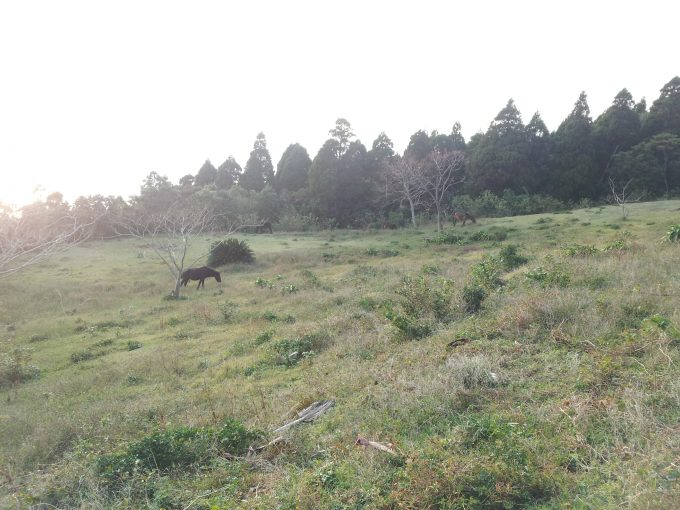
{"points": [[548, 277], [133, 345], [673, 234], [510, 259]]}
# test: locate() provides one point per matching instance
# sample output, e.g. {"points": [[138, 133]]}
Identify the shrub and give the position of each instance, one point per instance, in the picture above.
{"points": [[79, 356], [622, 242], [580, 250], [473, 295], [175, 447], [496, 234], [15, 367], [510, 259], [425, 301], [427, 269], [133, 345], [487, 273], [289, 351], [264, 284], [673, 234], [230, 251], [263, 337], [423, 296], [549, 277], [446, 238]]}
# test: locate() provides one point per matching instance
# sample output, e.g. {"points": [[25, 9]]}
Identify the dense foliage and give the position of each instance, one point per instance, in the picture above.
{"points": [[512, 168]]}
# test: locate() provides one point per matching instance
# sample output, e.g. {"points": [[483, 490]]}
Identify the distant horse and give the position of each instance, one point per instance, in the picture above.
{"points": [[199, 273], [388, 225], [263, 227], [462, 216]]}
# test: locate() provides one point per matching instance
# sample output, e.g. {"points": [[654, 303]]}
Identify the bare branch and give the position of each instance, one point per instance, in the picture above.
{"points": [[443, 172], [621, 196], [25, 242], [169, 233]]}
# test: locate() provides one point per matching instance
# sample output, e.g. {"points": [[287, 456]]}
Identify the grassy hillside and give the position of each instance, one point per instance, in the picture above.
{"points": [[542, 376]]}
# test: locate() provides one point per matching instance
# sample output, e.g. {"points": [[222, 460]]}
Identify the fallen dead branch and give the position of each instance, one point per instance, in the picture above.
{"points": [[308, 415], [383, 447]]}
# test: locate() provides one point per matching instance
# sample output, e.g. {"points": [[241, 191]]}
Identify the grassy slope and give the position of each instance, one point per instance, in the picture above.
{"points": [[585, 411]]}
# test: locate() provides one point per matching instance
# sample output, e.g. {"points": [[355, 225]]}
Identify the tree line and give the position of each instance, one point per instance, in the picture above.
{"points": [[346, 184]]}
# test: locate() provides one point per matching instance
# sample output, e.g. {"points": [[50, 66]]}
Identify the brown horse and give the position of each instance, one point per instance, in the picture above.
{"points": [[389, 225], [463, 217], [199, 273]]}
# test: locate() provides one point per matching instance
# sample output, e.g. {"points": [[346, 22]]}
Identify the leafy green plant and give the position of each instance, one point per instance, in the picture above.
{"points": [[510, 259], [473, 295], [673, 234], [487, 273], [446, 238], [79, 356], [498, 234], [264, 284], [429, 269], [424, 302], [264, 337], [133, 345], [175, 447], [580, 250], [230, 251], [15, 367], [289, 351], [548, 277], [622, 242]]}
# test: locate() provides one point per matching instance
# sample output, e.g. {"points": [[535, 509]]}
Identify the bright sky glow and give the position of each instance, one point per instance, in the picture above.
{"points": [[95, 95]]}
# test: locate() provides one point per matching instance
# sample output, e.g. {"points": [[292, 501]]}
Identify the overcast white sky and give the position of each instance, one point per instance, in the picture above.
{"points": [[94, 95]]}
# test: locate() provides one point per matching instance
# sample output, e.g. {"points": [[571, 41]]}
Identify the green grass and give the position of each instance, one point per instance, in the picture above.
{"points": [[565, 393]]}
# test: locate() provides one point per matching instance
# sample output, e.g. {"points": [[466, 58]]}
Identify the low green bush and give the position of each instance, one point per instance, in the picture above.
{"points": [[289, 351], [549, 277], [79, 356], [176, 447], [473, 296], [425, 301], [673, 234], [580, 250], [15, 367], [230, 251], [510, 259]]}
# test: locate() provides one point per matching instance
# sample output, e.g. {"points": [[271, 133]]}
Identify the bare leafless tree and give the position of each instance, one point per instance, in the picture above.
{"points": [[402, 180], [169, 234], [441, 172], [622, 197], [25, 242]]}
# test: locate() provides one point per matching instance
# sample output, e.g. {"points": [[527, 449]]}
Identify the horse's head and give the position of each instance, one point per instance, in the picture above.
{"points": [[218, 277]]}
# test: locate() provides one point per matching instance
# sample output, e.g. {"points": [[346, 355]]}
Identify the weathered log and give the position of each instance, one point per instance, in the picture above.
{"points": [[309, 414]]}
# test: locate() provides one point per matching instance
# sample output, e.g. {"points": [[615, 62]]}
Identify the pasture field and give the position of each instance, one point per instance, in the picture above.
{"points": [[524, 362]]}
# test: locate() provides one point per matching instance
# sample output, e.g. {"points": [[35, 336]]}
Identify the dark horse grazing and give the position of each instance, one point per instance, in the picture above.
{"points": [[462, 216], [199, 273]]}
